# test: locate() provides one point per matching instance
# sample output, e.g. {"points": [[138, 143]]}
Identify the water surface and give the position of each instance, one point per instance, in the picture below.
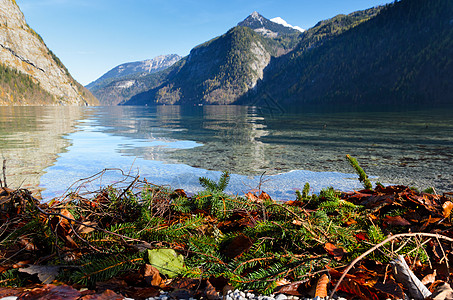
{"points": [[52, 147]]}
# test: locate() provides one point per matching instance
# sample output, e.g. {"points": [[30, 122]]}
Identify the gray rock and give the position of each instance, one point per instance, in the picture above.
{"points": [[281, 297]]}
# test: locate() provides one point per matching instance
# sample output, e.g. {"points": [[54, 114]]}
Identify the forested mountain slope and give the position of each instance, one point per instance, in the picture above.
{"points": [[403, 55], [216, 72]]}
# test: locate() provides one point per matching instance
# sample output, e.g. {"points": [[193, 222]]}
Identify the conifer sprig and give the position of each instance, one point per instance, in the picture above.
{"points": [[363, 177]]}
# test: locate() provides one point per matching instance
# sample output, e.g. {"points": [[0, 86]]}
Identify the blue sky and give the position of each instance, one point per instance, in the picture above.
{"points": [[93, 36]]}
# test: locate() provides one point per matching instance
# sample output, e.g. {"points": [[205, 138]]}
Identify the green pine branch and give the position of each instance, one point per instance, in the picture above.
{"points": [[363, 177]]}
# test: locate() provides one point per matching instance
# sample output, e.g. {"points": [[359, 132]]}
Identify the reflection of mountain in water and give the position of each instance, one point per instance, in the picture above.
{"points": [[399, 146], [31, 139], [230, 135]]}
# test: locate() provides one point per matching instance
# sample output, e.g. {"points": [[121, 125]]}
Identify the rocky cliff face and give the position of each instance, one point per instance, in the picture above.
{"points": [[23, 50]]}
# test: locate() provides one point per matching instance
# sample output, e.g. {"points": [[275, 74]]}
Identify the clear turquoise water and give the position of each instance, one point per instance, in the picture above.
{"points": [[50, 148]]}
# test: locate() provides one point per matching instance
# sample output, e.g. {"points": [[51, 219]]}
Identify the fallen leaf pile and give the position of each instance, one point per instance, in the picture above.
{"points": [[137, 241]]}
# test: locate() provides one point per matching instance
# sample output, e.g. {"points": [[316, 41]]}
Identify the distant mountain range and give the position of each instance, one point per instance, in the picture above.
{"points": [[30, 74], [228, 68], [111, 90], [126, 79], [400, 53]]}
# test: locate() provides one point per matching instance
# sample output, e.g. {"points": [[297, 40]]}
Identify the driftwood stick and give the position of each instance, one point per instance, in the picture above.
{"points": [[403, 274], [390, 238]]}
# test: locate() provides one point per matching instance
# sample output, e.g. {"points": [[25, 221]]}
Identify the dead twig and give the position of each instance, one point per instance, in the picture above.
{"points": [[123, 237]]}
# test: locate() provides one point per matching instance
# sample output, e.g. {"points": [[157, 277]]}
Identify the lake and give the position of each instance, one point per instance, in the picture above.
{"points": [[48, 149]]}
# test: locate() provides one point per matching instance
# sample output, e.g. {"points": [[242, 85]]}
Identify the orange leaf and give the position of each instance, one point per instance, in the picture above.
{"points": [[70, 242], [333, 250], [295, 203], [350, 222], [252, 197], [21, 264], [67, 214], [152, 276], [321, 286], [361, 236], [447, 207], [211, 292], [264, 196], [283, 281]]}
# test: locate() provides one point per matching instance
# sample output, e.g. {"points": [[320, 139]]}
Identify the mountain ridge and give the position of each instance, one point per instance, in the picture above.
{"points": [[265, 26], [280, 21], [214, 72], [129, 78], [400, 53], [226, 68]]}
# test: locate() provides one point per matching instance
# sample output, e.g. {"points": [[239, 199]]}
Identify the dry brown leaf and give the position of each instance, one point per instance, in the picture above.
{"points": [[297, 288], [333, 250], [237, 246], [447, 207], [396, 221], [68, 215], [83, 229], [152, 276], [50, 291], [297, 223], [70, 242], [264, 196], [210, 291], [321, 286], [106, 295]]}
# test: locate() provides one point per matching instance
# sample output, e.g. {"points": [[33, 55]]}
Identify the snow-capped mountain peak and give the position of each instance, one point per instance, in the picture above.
{"points": [[280, 21]]}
